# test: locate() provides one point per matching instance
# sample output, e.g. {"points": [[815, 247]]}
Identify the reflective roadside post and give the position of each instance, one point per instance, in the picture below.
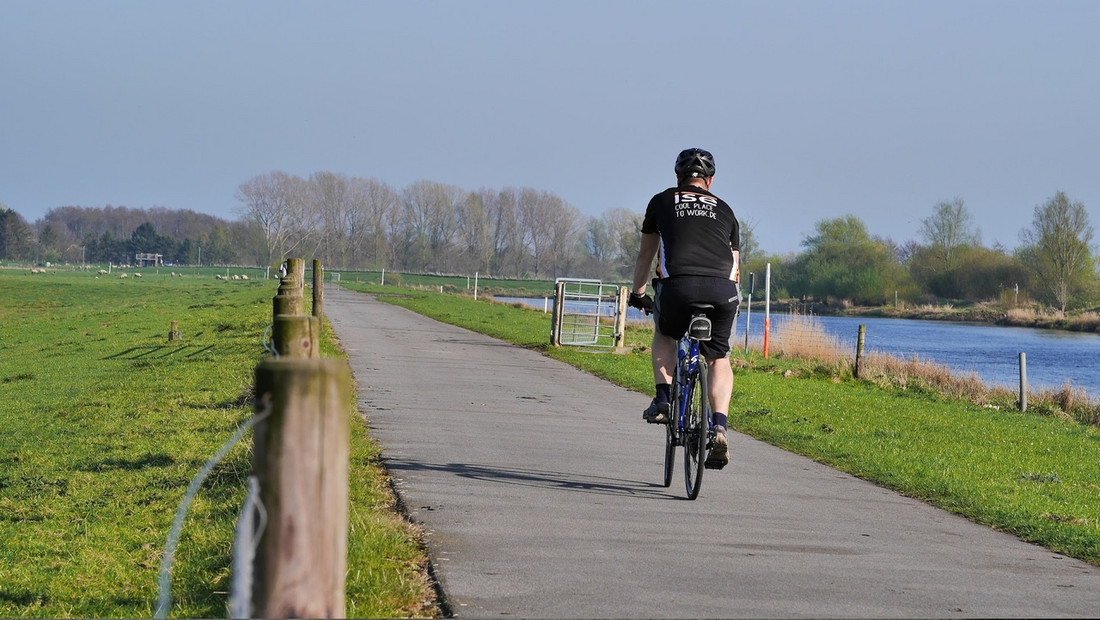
{"points": [[748, 311], [767, 306]]}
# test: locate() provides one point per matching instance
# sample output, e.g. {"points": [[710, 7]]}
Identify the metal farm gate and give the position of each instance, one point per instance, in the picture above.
{"points": [[588, 313]]}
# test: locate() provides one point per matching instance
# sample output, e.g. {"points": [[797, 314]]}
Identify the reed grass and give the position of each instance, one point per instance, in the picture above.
{"points": [[803, 337]]}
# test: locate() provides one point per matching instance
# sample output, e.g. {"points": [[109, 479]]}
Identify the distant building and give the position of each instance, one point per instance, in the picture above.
{"points": [[148, 260]]}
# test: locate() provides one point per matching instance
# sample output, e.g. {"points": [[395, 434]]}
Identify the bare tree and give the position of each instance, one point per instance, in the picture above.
{"points": [[277, 203], [475, 224], [1057, 247], [430, 223], [375, 204], [949, 231], [536, 222], [565, 225], [509, 253], [330, 201]]}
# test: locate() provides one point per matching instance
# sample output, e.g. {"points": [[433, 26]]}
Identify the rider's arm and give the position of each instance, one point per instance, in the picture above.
{"points": [[646, 253]]}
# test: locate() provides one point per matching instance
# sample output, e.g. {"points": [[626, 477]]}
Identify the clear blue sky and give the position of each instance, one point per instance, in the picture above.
{"points": [[813, 109]]}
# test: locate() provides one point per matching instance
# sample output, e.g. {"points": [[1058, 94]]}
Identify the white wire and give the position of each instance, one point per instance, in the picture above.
{"points": [[265, 340], [244, 550], [164, 599]]}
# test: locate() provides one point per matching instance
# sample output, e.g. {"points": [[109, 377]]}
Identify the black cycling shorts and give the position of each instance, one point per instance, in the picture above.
{"points": [[672, 309]]}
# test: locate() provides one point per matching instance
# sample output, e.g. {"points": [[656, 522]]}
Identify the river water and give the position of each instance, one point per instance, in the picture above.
{"points": [[1054, 357]]}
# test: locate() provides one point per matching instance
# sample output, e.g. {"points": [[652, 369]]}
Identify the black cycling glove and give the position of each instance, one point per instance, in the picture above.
{"points": [[642, 302]]}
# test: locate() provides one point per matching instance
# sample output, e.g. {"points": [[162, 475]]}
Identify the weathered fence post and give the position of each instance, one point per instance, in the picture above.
{"points": [[1023, 382], [318, 288], [859, 349], [293, 332], [555, 320], [174, 332], [289, 298], [301, 463], [296, 335], [620, 319]]}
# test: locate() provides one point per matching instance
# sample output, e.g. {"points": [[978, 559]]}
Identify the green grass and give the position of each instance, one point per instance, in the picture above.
{"points": [[452, 284], [106, 423], [1033, 476]]}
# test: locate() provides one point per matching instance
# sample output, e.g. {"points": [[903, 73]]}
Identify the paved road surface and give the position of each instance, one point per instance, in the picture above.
{"points": [[539, 488]]}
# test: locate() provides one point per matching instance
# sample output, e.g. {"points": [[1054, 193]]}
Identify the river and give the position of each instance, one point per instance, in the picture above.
{"points": [[992, 352]]}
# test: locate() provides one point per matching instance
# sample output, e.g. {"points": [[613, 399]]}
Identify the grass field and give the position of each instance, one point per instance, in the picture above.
{"points": [[1037, 477], [106, 423]]}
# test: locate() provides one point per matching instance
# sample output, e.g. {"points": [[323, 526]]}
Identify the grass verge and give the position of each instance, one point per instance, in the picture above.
{"points": [[1037, 477], [106, 423]]}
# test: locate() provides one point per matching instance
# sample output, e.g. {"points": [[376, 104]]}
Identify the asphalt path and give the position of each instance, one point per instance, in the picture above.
{"points": [[539, 488]]}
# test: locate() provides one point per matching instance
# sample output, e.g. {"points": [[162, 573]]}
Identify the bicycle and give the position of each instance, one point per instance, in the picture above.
{"points": [[690, 424]]}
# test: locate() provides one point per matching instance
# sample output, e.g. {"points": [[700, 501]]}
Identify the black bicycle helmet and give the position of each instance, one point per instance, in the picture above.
{"points": [[694, 163]]}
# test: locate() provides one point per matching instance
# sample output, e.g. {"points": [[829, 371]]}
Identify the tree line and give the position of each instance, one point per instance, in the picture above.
{"points": [[366, 224]]}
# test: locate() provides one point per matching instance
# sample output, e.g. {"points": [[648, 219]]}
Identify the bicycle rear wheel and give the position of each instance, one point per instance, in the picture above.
{"points": [[695, 430]]}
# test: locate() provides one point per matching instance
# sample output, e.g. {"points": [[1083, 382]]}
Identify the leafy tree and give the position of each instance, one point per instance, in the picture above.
{"points": [[842, 261], [748, 243], [16, 236], [1057, 248]]}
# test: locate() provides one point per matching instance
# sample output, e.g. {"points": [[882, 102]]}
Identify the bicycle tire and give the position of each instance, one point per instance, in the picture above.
{"points": [[672, 424], [695, 430], [670, 449]]}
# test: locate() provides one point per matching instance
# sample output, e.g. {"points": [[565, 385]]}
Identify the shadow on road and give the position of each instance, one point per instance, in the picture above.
{"points": [[549, 480]]}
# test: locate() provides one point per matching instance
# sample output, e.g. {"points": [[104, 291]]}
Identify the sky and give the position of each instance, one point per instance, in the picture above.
{"points": [[813, 109]]}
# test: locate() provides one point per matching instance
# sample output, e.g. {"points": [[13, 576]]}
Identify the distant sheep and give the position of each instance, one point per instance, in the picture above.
{"points": [[102, 272], [122, 275], [244, 277], [137, 275]]}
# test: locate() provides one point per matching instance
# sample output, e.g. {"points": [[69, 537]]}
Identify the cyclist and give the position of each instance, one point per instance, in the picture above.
{"points": [[696, 239]]}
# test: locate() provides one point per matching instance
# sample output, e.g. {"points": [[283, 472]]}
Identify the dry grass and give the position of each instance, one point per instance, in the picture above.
{"points": [[803, 337]]}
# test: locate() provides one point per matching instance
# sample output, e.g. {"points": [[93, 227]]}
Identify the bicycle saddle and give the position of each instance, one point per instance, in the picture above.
{"points": [[699, 327]]}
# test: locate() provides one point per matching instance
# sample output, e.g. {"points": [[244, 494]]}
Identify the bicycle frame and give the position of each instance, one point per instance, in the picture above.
{"points": [[687, 364]]}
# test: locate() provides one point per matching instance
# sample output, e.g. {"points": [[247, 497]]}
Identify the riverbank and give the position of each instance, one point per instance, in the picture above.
{"points": [[1088, 321]]}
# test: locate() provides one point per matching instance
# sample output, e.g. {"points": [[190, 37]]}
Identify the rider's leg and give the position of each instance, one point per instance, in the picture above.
{"points": [[664, 356], [721, 388]]}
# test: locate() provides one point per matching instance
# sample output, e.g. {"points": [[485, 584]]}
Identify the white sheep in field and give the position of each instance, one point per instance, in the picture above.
{"points": [[244, 277], [102, 272], [122, 275], [236, 277], [173, 274], [137, 275], [219, 276]]}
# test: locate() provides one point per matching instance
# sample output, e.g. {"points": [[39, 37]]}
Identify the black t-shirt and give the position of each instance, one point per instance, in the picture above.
{"points": [[699, 233]]}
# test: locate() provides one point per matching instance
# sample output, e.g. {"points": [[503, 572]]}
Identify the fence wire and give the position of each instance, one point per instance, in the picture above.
{"points": [[164, 598], [250, 527]]}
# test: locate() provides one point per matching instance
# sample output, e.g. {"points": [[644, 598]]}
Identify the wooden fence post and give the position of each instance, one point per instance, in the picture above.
{"points": [[301, 462], [556, 317], [296, 335], [289, 299], [1023, 382], [859, 349], [620, 319], [318, 288]]}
